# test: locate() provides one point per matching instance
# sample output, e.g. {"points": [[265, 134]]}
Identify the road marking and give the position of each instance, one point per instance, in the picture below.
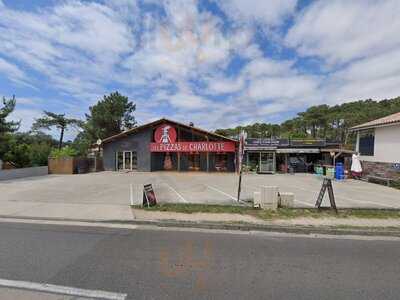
{"points": [[304, 203], [222, 192], [366, 201], [68, 223], [179, 195], [349, 199], [65, 290]]}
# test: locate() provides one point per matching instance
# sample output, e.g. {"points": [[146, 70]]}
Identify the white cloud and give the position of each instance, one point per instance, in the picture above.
{"points": [[294, 88], [339, 31], [72, 41], [182, 61], [189, 101], [26, 116], [267, 67], [12, 71], [185, 44], [376, 67], [222, 85], [270, 13]]}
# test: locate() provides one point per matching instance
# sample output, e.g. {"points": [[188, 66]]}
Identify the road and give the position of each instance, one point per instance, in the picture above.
{"points": [[150, 263]]}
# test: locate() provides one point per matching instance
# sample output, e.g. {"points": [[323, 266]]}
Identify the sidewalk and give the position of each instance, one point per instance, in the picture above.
{"points": [[141, 215], [90, 212], [125, 214]]}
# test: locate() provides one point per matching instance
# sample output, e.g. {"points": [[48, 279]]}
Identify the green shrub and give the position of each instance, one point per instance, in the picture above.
{"points": [[395, 184], [63, 152]]}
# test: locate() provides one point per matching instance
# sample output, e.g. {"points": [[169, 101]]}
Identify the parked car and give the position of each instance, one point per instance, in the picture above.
{"points": [[299, 165]]}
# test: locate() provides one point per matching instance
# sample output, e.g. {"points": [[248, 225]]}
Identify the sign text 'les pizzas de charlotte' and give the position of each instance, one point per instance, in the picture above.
{"points": [[165, 141]]}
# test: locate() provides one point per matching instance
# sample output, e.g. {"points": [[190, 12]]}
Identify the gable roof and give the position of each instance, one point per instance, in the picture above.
{"points": [[388, 120], [161, 121]]}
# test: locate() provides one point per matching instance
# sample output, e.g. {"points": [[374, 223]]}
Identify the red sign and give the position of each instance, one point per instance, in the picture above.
{"points": [[165, 134], [193, 147]]}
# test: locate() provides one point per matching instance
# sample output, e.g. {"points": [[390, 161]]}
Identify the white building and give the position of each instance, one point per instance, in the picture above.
{"points": [[378, 144]]}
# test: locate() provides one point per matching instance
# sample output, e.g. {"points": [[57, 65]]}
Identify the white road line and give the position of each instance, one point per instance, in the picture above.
{"points": [[179, 195], [304, 203], [350, 199], [366, 201], [65, 290], [222, 192]]}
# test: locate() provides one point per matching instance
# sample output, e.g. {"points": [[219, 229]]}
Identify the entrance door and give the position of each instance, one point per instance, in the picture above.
{"points": [[267, 162], [194, 162], [126, 160]]}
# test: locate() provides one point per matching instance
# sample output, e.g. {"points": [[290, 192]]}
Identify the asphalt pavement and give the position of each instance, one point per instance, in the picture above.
{"points": [[171, 264]]}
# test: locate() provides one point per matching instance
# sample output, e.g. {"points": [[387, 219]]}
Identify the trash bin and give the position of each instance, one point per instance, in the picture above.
{"points": [[330, 172], [339, 171]]}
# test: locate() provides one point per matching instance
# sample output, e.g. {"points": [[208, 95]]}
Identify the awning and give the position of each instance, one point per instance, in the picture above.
{"points": [[298, 150]]}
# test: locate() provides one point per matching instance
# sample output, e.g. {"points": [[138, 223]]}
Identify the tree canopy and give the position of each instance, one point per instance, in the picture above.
{"points": [[5, 111], [111, 115], [321, 121], [6, 127], [56, 120]]}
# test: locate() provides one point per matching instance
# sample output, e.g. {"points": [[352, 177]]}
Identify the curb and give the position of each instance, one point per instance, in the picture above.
{"points": [[327, 230]]}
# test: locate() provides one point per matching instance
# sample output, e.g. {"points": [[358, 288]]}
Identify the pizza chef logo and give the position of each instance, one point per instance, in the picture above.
{"points": [[165, 134]]}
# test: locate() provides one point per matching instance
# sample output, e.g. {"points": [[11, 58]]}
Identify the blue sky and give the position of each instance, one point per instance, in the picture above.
{"points": [[217, 63]]}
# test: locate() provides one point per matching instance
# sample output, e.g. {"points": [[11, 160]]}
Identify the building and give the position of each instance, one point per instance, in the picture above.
{"points": [[168, 145], [268, 155], [378, 144]]}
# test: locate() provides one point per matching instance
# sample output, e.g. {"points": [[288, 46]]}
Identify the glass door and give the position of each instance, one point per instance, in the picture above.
{"points": [[134, 160], [126, 161], [267, 162], [119, 161]]}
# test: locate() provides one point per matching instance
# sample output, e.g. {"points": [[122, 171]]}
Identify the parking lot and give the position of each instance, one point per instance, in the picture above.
{"points": [[113, 188]]}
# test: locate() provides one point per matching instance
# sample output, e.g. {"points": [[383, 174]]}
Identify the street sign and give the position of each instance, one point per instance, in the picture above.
{"points": [[326, 184], [149, 197]]}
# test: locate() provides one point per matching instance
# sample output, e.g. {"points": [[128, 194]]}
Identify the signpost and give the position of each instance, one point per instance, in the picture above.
{"points": [[326, 184], [242, 139], [149, 197]]}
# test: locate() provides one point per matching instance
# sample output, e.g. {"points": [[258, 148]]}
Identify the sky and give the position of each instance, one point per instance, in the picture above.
{"points": [[216, 63]]}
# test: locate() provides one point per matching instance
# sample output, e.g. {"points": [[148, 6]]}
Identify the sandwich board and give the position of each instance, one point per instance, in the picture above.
{"points": [[149, 197], [326, 185]]}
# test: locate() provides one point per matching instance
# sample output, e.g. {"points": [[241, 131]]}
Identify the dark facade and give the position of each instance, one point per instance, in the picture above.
{"points": [[271, 155], [132, 150], [138, 142]]}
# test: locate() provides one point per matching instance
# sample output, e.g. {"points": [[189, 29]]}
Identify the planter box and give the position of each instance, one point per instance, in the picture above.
{"points": [[68, 165]]}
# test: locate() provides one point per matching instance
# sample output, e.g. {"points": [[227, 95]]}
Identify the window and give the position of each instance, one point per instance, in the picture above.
{"points": [[366, 143]]}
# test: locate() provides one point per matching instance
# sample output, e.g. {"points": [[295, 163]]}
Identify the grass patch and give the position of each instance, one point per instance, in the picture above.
{"points": [[282, 213], [291, 213], [395, 184], [197, 208]]}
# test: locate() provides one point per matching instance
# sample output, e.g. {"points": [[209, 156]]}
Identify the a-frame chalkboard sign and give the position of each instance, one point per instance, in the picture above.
{"points": [[326, 184]]}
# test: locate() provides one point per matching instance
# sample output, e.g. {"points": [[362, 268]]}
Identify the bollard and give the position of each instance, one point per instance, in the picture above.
{"points": [[131, 194], [257, 199]]}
